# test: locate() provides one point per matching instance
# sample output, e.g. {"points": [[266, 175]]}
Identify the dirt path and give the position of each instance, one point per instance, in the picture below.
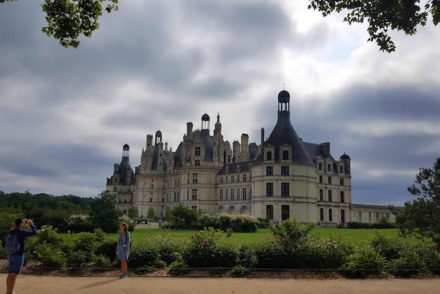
{"points": [[27, 284]]}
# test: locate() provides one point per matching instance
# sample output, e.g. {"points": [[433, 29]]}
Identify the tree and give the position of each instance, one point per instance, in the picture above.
{"points": [[103, 213], [133, 213], [68, 19], [422, 215], [382, 16], [151, 215]]}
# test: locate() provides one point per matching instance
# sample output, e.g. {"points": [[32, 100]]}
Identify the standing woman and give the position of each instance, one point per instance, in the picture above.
{"points": [[123, 249]]}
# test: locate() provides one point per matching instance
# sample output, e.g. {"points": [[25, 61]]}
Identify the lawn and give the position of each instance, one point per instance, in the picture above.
{"points": [[352, 236]]}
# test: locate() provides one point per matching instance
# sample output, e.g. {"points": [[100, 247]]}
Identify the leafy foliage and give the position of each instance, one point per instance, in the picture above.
{"points": [[103, 214], [423, 214], [382, 16]]}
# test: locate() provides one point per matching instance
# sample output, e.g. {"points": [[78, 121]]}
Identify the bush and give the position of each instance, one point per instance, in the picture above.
{"points": [[263, 223], [244, 223], [388, 248], [102, 261], [178, 267], [77, 224], [145, 255], [383, 224], [409, 263], [363, 262], [78, 258], [270, 255], [182, 217], [291, 234], [107, 248], [205, 251], [240, 271]]}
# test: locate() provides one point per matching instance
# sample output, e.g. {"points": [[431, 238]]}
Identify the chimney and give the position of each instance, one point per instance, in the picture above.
{"points": [[189, 128]]}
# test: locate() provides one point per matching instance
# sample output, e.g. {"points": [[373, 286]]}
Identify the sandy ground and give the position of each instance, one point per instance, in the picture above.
{"points": [[27, 284]]}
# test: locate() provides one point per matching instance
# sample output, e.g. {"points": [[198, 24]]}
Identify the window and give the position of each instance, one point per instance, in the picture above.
{"points": [[187, 194], [269, 212], [238, 193], [151, 199], [221, 180], [329, 180], [342, 197], [194, 207], [284, 170], [285, 155], [377, 216], [232, 194], [341, 181], [329, 167], [238, 178], [197, 151], [285, 212], [320, 179], [227, 194], [244, 177], [360, 216], [320, 166], [387, 216], [194, 180], [342, 216], [244, 194], [269, 189], [284, 189], [329, 195], [221, 194], [229, 158], [341, 169], [321, 214], [321, 195], [369, 217], [197, 163], [187, 180], [194, 194], [330, 215], [269, 170], [269, 155]]}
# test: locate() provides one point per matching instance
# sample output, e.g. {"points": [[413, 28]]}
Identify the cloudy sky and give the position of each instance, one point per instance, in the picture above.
{"points": [[65, 113]]}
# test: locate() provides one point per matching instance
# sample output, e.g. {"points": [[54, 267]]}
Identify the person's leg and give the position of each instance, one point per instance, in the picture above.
{"points": [[124, 266], [10, 283]]}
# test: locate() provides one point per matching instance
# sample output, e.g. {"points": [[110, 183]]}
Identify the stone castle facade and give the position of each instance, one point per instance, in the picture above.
{"points": [[280, 178]]}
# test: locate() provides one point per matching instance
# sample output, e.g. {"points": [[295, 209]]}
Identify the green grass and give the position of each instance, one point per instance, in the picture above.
{"points": [[355, 237]]}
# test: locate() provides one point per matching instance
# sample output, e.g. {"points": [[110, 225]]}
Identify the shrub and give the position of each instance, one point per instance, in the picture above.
{"points": [[182, 217], [77, 224], [178, 267], [205, 250], [243, 223], [107, 248], [102, 261], [78, 258], [168, 250], [263, 223], [240, 271], [362, 262], [388, 248], [291, 234], [144, 255], [270, 255], [409, 263]]}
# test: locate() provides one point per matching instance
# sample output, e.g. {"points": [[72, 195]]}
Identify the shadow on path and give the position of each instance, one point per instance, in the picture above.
{"points": [[97, 284]]}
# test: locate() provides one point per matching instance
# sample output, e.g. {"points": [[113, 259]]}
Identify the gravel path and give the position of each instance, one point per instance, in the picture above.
{"points": [[27, 284]]}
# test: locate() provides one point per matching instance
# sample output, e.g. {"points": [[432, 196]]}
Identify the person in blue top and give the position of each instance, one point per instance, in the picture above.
{"points": [[16, 259], [122, 251]]}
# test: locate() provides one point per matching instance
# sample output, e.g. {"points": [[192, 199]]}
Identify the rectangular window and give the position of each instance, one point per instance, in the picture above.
{"points": [[285, 212], [360, 216], [221, 194], [330, 195], [329, 180], [321, 214], [269, 212], [369, 217], [269, 189], [194, 179], [194, 194], [244, 177], [238, 193], [194, 207], [244, 194], [320, 179], [285, 155], [197, 163], [227, 194], [342, 197], [377, 216], [187, 194], [329, 167], [342, 216], [320, 166], [284, 170], [341, 181], [232, 179], [221, 180], [330, 215], [232, 194], [269, 155], [387, 216], [238, 178], [269, 170], [341, 169], [321, 195], [284, 189], [197, 151]]}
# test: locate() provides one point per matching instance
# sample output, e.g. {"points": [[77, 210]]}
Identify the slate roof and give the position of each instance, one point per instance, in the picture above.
{"points": [[124, 170]]}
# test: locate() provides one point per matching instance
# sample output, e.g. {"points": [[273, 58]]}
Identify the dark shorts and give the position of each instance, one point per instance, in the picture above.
{"points": [[15, 263]]}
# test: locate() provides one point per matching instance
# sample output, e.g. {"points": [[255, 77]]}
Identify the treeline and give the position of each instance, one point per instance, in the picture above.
{"points": [[64, 213]]}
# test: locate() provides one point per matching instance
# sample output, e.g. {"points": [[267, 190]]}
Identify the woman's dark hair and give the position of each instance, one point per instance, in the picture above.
{"points": [[18, 221], [125, 227]]}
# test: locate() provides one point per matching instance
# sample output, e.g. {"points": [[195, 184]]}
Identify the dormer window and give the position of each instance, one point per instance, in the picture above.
{"points": [[285, 155], [197, 151]]}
